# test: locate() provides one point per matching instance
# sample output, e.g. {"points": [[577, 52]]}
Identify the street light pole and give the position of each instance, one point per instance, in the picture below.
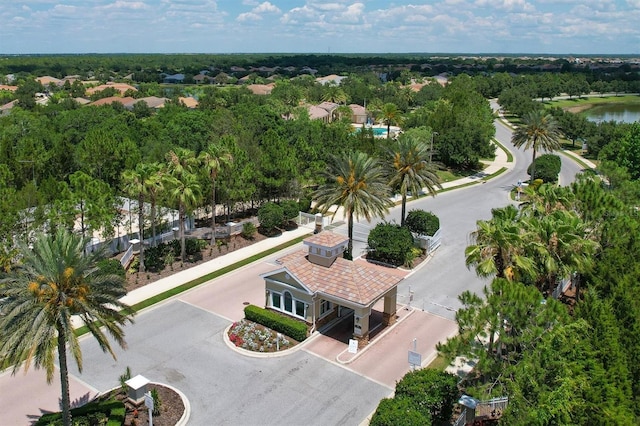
{"points": [[431, 149]]}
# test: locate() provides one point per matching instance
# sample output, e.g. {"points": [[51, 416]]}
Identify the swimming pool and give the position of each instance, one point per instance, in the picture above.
{"points": [[377, 131]]}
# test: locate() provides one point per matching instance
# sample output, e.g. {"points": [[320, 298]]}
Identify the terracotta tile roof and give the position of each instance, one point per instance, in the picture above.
{"points": [[189, 102], [326, 239], [316, 113], [261, 89], [47, 79], [120, 87], [344, 279], [112, 99], [9, 88]]}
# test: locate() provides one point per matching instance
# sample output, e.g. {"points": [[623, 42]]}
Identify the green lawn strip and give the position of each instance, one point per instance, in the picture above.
{"points": [[438, 363], [576, 159], [506, 151], [594, 100], [212, 275]]}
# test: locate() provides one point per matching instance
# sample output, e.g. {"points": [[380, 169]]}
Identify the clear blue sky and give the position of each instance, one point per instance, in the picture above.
{"points": [[320, 26]]}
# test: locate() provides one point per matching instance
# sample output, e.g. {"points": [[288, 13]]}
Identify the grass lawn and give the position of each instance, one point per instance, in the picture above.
{"points": [[594, 100]]}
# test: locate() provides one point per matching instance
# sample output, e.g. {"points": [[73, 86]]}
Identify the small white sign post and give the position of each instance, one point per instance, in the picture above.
{"points": [[415, 358], [148, 402], [353, 346]]}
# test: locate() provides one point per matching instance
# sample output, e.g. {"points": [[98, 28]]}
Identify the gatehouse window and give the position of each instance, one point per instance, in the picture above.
{"points": [[276, 300]]}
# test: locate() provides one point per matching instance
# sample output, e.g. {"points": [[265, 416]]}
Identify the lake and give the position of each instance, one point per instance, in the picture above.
{"points": [[623, 113]]}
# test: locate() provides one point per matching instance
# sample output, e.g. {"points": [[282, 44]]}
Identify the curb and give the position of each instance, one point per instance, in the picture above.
{"points": [[371, 344], [254, 354]]}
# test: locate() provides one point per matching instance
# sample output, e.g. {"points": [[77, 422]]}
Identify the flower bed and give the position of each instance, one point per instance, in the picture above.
{"points": [[258, 338]]}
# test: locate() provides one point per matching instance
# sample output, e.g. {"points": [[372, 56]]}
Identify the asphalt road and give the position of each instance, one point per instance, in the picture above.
{"points": [[436, 286]]}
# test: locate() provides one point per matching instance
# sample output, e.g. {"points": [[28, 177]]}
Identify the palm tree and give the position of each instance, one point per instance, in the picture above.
{"points": [[183, 187], [54, 282], [135, 184], [559, 247], [212, 159], [335, 94], [411, 169], [154, 185], [357, 183], [390, 115], [497, 247], [538, 131]]}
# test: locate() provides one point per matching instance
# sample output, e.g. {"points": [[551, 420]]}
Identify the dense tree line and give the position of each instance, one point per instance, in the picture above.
{"points": [[63, 161], [567, 361]]}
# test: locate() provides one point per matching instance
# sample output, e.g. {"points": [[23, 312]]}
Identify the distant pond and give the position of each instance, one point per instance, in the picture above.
{"points": [[622, 113]]}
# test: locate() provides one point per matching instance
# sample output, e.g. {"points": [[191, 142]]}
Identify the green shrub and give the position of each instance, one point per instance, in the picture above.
{"points": [[270, 216], [154, 257], [422, 222], [112, 266], [248, 230], [398, 412], [304, 204], [106, 409], [390, 243], [290, 209], [278, 322], [157, 402], [433, 392], [547, 167], [134, 266]]}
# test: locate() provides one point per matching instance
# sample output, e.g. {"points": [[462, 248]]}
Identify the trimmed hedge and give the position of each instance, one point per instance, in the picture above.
{"points": [[390, 243], [114, 410], [281, 323], [422, 222], [547, 167]]}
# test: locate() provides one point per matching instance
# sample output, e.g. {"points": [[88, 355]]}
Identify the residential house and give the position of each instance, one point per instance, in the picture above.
{"points": [[261, 89], [318, 285], [358, 114], [107, 101], [189, 102], [120, 87], [173, 78], [330, 79], [317, 113]]}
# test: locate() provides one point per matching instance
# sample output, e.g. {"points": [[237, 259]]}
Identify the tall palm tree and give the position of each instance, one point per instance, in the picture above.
{"points": [[334, 93], [154, 185], [53, 282], [539, 131], [357, 183], [213, 158], [390, 115], [183, 187], [497, 247], [135, 184], [559, 247], [411, 169]]}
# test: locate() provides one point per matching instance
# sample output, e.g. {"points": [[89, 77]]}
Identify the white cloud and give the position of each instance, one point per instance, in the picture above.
{"points": [[248, 16], [266, 7], [121, 4]]}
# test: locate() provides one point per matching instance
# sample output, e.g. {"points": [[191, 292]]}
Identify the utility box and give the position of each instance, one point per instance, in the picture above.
{"points": [[136, 388], [136, 245]]}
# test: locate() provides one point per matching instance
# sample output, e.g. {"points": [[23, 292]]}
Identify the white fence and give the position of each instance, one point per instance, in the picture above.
{"points": [[429, 243]]}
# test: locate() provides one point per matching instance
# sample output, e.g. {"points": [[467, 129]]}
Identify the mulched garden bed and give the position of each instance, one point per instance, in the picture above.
{"points": [[140, 279], [171, 408], [255, 337]]}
